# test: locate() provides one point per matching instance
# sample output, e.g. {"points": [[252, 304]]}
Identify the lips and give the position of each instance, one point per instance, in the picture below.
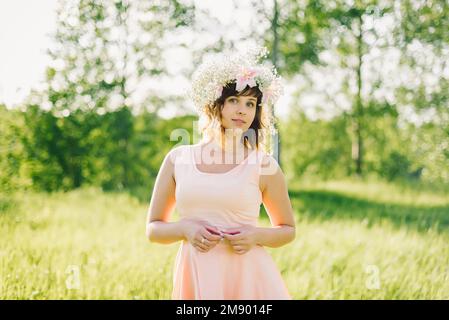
{"points": [[238, 120]]}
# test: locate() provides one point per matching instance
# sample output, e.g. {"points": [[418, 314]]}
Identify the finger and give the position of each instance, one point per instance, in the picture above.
{"points": [[214, 242], [212, 245], [213, 235], [203, 240], [202, 248], [207, 244], [199, 248], [200, 244], [233, 237], [210, 236]]}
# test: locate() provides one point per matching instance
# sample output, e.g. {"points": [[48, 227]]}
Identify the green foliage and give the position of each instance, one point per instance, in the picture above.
{"points": [[88, 133], [153, 139], [13, 169], [300, 29], [426, 21], [315, 148], [114, 151], [429, 149], [395, 165], [405, 153]]}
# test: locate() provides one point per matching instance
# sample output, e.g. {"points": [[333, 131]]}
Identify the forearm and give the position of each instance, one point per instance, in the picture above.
{"points": [[275, 236], [165, 232]]}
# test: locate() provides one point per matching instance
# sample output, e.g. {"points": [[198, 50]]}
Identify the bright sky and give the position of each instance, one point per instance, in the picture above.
{"points": [[24, 25]]}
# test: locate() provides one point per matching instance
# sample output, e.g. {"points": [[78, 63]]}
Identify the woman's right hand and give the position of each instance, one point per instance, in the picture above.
{"points": [[196, 230]]}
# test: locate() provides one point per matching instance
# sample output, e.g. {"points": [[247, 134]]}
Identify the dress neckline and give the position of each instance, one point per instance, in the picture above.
{"points": [[192, 156]]}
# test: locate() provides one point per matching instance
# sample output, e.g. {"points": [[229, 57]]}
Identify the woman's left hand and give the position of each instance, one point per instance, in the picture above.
{"points": [[242, 239]]}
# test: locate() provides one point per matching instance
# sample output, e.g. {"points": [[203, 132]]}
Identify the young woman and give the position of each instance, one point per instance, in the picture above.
{"points": [[218, 186]]}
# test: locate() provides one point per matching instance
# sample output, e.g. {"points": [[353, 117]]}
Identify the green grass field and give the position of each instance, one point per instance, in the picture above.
{"points": [[355, 240]]}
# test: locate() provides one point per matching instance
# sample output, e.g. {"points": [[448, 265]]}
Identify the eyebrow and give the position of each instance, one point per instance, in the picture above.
{"points": [[251, 99]]}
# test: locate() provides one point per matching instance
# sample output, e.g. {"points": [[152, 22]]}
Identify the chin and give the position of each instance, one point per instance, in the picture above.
{"points": [[239, 128]]}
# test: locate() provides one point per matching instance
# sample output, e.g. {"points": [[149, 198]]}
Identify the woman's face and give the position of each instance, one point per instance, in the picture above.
{"points": [[238, 112]]}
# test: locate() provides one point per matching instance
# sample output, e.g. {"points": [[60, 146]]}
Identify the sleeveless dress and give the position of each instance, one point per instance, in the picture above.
{"points": [[224, 200]]}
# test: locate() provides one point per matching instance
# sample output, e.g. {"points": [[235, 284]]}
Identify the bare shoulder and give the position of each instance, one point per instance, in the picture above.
{"points": [[163, 197], [174, 153], [168, 164], [270, 172]]}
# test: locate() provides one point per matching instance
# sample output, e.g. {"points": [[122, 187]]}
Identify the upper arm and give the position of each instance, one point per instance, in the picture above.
{"points": [[163, 200], [275, 195]]}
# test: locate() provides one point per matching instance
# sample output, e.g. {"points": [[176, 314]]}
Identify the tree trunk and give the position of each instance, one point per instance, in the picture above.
{"points": [[275, 137], [357, 145], [124, 94]]}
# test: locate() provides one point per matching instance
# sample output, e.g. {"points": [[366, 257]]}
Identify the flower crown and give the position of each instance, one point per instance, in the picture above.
{"points": [[243, 69]]}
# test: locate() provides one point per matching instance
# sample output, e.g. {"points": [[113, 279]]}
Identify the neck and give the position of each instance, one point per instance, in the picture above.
{"points": [[231, 143]]}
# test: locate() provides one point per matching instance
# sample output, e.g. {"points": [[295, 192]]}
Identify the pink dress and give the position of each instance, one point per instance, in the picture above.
{"points": [[224, 200]]}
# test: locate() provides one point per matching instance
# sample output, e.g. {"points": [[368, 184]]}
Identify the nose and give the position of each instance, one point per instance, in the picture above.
{"points": [[241, 109]]}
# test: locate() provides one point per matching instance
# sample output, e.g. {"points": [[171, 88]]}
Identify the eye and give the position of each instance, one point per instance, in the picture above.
{"points": [[250, 104], [232, 99]]}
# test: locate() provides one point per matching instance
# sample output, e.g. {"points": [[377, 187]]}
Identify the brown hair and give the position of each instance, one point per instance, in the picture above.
{"points": [[254, 136]]}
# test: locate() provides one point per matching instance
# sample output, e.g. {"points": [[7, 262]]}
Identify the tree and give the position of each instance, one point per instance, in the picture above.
{"points": [[102, 52], [294, 32], [313, 31]]}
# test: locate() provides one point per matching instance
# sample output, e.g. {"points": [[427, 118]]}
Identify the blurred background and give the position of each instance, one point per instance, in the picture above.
{"points": [[91, 93]]}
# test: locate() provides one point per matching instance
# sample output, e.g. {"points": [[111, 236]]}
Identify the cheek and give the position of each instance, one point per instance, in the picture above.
{"points": [[226, 111], [253, 113]]}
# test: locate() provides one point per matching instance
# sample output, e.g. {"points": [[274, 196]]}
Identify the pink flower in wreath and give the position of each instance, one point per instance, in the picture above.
{"points": [[246, 77], [219, 91]]}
